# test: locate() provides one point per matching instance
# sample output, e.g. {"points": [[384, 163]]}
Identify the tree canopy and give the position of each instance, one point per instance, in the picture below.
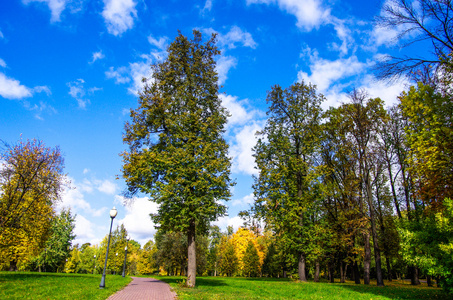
{"points": [[177, 154]]}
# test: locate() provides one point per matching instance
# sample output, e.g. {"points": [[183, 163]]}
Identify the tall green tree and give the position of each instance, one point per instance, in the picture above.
{"points": [[177, 154], [57, 247], [285, 155], [365, 116]]}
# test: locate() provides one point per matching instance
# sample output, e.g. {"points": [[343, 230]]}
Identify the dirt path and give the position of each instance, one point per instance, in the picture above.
{"points": [[145, 288]]}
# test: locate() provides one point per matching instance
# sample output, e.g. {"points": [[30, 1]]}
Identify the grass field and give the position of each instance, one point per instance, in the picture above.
{"points": [[264, 288], [28, 285]]}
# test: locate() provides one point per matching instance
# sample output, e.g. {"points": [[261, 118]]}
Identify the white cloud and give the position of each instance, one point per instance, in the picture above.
{"points": [[137, 220], [239, 111], [97, 55], [224, 64], [325, 72], [2, 63], [138, 71], [1, 35], [161, 43], [388, 92], [120, 75], [77, 91], [207, 6], [224, 222], [12, 89], [56, 7], [249, 199], [84, 230], [40, 89], [237, 36], [343, 33], [329, 76], [233, 38], [241, 149], [119, 15], [74, 198], [106, 186], [309, 13]]}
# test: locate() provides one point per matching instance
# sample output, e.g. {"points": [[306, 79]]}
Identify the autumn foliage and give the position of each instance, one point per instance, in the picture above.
{"points": [[31, 182]]}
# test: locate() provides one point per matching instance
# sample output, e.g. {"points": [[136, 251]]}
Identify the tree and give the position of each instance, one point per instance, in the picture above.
{"points": [[364, 117], [147, 262], [430, 137], [87, 259], [429, 244], [72, 264], [251, 261], [31, 182], [228, 261], [285, 157], [240, 241], [57, 247], [177, 153], [418, 21]]}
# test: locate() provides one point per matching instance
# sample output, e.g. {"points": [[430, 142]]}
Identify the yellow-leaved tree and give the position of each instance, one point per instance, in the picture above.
{"points": [[241, 240], [31, 181]]}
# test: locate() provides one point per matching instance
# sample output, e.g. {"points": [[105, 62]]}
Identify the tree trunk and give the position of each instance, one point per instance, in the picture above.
{"points": [[367, 258], [191, 256], [411, 274], [392, 185], [417, 277], [342, 271], [13, 265], [377, 250], [317, 267], [389, 269], [428, 280], [302, 267], [355, 270], [331, 278]]}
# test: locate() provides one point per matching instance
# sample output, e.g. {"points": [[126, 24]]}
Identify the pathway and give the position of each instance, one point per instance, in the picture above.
{"points": [[145, 289]]}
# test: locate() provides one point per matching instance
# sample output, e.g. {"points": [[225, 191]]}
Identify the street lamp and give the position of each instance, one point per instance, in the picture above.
{"points": [[45, 256], [125, 256], [94, 269], [116, 260], [113, 213]]}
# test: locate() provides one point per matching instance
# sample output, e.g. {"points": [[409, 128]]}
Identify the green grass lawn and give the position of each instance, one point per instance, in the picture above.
{"points": [[266, 288], [30, 285]]}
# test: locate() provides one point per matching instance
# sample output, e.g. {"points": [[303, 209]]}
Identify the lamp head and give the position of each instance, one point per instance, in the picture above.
{"points": [[113, 212]]}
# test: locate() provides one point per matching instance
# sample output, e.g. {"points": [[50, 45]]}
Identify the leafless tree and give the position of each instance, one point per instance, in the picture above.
{"points": [[417, 21]]}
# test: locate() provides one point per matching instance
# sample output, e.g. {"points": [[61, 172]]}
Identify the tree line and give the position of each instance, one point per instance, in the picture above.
{"points": [[359, 190]]}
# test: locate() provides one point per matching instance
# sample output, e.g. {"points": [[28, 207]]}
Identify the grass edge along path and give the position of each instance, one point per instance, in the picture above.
{"points": [[271, 288], [34, 285]]}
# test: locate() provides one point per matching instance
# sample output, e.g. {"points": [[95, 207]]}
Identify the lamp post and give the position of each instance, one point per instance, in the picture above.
{"points": [[116, 261], [94, 269], [125, 256], [45, 256], [113, 213]]}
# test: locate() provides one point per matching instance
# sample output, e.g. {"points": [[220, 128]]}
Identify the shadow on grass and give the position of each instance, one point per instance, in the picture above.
{"points": [[200, 281], [30, 275]]}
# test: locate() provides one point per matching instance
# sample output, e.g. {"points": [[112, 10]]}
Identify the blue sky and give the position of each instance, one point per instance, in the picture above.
{"points": [[70, 71]]}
